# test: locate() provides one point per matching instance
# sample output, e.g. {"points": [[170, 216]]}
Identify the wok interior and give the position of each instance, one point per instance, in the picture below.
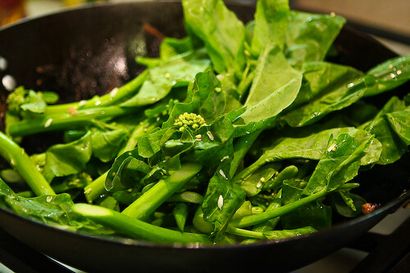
{"points": [[83, 53]]}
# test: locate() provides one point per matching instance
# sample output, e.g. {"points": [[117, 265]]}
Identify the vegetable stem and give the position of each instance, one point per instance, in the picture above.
{"points": [[269, 214], [18, 158], [80, 118], [114, 96], [146, 204], [135, 228]]}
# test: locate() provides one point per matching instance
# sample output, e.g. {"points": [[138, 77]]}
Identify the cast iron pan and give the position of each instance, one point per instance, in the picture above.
{"points": [[86, 51]]}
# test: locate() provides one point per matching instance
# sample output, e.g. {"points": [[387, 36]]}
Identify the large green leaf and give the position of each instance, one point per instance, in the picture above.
{"points": [[339, 165], [310, 36], [162, 78], [271, 23], [274, 88], [107, 144], [66, 159], [222, 33]]}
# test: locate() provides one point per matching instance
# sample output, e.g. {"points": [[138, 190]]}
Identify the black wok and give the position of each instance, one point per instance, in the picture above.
{"points": [[85, 51]]}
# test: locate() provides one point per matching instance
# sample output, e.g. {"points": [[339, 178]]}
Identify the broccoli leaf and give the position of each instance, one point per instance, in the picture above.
{"points": [[66, 159], [339, 164], [271, 23], [310, 36], [311, 147], [400, 123], [107, 144], [274, 88], [390, 74], [126, 172], [222, 33], [172, 47], [162, 78], [320, 78], [221, 201], [391, 132]]}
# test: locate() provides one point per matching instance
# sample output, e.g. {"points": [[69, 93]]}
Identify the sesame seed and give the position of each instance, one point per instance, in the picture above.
{"points": [[210, 135], [114, 92], [225, 158], [332, 148], [48, 123], [221, 172], [220, 201]]}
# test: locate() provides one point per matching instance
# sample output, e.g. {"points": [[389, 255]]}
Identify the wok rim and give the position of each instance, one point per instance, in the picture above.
{"points": [[383, 210]]}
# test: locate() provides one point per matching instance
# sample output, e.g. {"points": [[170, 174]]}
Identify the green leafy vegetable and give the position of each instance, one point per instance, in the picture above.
{"points": [[233, 134]]}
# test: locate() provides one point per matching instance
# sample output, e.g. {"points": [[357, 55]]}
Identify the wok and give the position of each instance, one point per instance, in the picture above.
{"points": [[85, 51]]}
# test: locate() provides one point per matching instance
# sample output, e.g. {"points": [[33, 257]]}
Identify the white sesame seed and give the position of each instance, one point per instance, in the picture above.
{"points": [[221, 172], [332, 148], [220, 77], [48, 123], [210, 135], [225, 158], [220, 201], [114, 92]]}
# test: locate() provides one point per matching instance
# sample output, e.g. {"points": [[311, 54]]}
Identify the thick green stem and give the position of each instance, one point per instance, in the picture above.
{"points": [[80, 118], [114, 96], [118, 94], [180, 213], [60, 108], [267, 215], [287, 173], [97, 187], [146, 204], [17, 158], [135, 228]]}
